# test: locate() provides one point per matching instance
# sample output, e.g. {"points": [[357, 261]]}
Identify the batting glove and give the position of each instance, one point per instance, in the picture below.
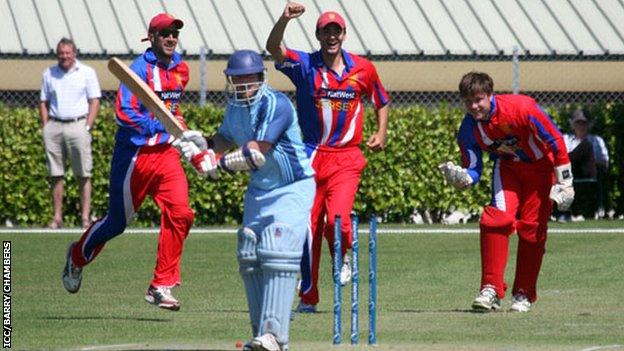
{"points": [[195, 137], [563, 192], [455, 175], [243, 159], [187, 149], [205, 162]]}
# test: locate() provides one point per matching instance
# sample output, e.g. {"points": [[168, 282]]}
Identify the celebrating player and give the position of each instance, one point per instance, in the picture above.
{"points": [[531, 167], [331, 84], [145, 163], [262, 124]]}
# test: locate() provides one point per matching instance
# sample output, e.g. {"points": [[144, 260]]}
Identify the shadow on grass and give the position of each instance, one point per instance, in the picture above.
{"points": [[87, 318], [161, 349], [456, 310], [225, 310], [171, 348]]}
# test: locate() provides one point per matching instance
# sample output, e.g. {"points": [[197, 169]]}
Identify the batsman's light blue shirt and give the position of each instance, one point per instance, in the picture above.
{"points": [[272, 119]]}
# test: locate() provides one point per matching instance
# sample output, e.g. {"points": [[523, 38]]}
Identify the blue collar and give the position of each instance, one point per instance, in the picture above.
{"points": [[346, 58]]}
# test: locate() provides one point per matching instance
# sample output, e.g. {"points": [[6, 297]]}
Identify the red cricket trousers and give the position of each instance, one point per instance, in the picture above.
{"points": [[520, 203], [135, 173], [337, 177]]}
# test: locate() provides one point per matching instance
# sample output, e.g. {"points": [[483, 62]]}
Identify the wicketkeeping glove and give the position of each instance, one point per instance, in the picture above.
{"points": [[205, 162], [563, 192], [456, 175]]}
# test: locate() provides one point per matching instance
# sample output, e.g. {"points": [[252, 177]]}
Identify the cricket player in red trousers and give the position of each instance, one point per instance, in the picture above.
{"points": [[145, 163], [331, 84], [531, 168]]}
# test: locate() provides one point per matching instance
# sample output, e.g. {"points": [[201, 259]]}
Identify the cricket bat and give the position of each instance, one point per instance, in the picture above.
{"points": [[147, 96]]}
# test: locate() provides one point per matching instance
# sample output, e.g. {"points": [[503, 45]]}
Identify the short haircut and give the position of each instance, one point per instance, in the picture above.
{"points": [[474, 83], [66, 41]]}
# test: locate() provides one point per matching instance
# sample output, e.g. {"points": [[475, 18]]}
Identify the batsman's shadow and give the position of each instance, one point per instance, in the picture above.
{"points": [[101, 318]]}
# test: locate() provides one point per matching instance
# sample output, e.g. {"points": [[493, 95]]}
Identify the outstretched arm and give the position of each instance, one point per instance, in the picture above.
{"points": [[274, 42], [377, 141]]}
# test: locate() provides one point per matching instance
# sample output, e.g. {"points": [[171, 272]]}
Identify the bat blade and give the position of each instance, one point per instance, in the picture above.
{"points": [[147, 96]]}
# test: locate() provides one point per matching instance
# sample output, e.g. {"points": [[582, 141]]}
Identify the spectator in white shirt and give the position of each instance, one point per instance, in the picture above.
{"points": [[69, 103]]}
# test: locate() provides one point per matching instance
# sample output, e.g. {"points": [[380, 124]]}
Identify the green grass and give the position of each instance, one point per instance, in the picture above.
{"points": [[426, 284]]}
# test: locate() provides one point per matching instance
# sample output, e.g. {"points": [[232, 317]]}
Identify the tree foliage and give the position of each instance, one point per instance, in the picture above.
{"points": [[397, 182]]}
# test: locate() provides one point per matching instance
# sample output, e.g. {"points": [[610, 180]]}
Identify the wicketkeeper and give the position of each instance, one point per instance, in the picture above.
{"points": [[531, 169], [261, 133]]}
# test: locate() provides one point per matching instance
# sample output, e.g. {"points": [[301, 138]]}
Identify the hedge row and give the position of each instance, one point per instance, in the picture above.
{"points": [[396, 183]]}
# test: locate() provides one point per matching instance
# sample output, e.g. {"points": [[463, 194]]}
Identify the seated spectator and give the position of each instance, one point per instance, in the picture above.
{"points": [[590, 162]]}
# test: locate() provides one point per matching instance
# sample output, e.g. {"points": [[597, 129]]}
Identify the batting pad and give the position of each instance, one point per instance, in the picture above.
{"points": [[279, 253], [251, 273]]}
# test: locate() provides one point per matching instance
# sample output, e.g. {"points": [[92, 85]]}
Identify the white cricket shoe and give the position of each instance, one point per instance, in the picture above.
{"points": [[487, 300], [72, 275], [161, 296], [520, 303], [265, 342], [345, 271]]}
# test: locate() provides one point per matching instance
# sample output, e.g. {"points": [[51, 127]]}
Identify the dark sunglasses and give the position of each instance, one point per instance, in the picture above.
{"points": [[165, 33]]}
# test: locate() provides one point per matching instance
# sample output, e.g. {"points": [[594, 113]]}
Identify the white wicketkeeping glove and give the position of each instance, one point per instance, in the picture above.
{"points": [[563, 192], [455, 175]]}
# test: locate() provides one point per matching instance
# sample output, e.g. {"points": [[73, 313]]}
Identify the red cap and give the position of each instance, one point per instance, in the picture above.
{"points": [[163, 21], [330, 17]]}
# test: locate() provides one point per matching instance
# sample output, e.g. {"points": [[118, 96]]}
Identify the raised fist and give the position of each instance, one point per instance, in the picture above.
{"points": [[293, 10]]}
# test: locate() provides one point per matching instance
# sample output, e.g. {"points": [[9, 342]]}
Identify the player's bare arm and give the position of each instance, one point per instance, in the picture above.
{"points": [[274, 42], [261, 146], [94, 107], [43, 112], [220, 144], [377, 141]]}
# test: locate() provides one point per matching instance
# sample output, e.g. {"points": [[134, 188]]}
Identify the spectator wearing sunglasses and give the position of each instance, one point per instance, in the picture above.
{"points": [[145, 163]]}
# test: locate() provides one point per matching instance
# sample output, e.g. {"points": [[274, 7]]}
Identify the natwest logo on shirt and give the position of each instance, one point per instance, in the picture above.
{"points": [[335, 94], [170, 95]]}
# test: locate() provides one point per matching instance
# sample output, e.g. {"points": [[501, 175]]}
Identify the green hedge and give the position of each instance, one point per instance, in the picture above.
{"points": [[397, 182]]}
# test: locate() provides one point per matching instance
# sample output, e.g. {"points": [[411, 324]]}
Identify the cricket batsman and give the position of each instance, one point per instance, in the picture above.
{"points": [[261, 136], [531, 169], [145, 163]]}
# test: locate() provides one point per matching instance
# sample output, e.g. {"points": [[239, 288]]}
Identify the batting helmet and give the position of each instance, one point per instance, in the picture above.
{"points": [[242, 63]]}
